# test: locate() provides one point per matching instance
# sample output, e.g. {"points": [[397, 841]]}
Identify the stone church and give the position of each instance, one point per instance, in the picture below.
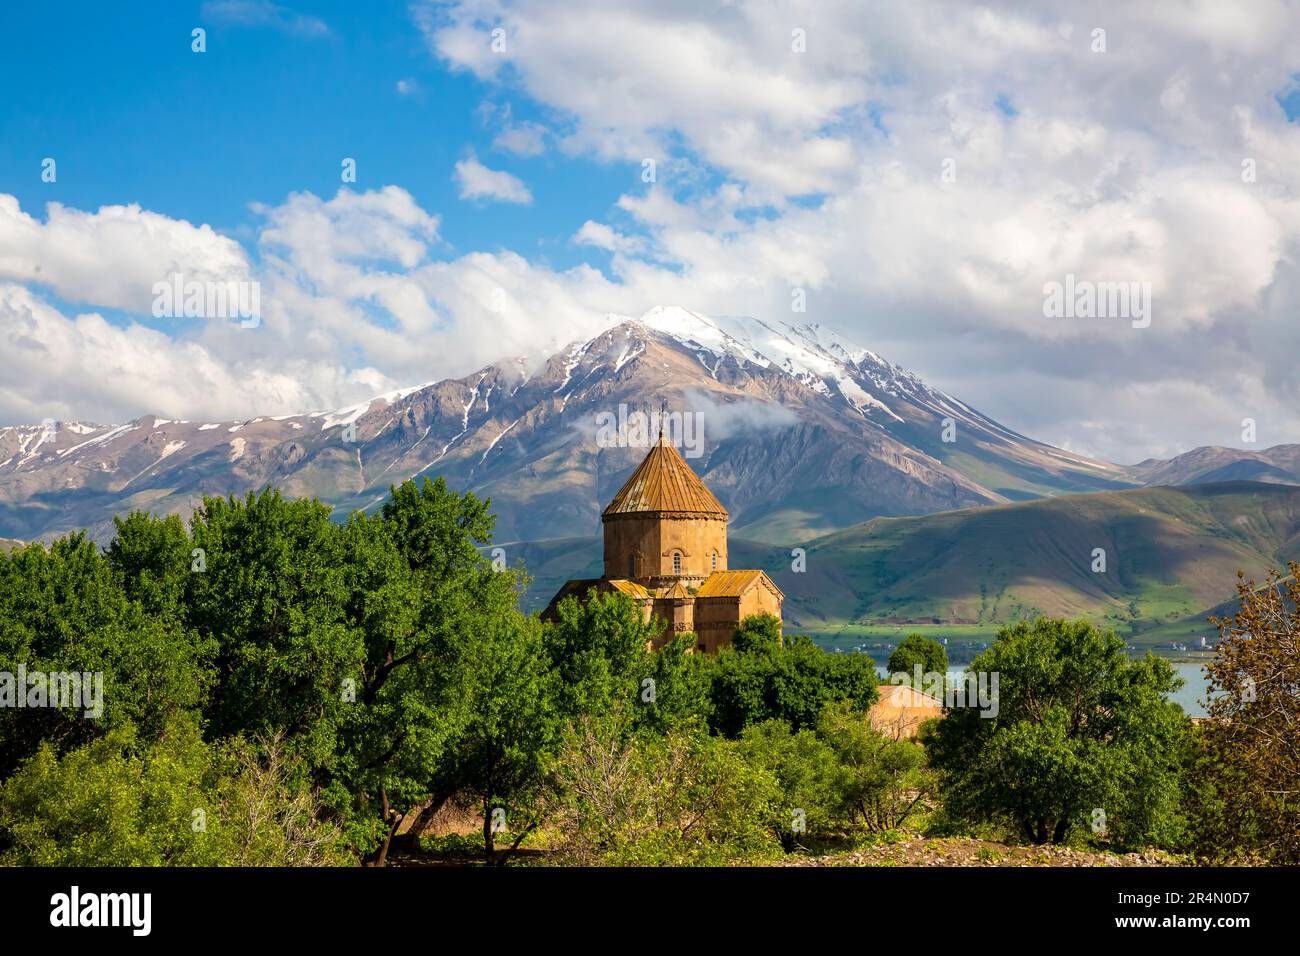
{"points": [[666, 548]]}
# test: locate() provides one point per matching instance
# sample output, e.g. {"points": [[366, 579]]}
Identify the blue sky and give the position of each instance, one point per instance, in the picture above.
{"points": [[920, 170], [132, 115]]}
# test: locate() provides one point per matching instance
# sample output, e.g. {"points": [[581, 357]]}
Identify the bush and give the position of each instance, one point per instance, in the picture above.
{"points": [[791, 681], [806, 774], [880, 782], [174, 801], [681, 799]]}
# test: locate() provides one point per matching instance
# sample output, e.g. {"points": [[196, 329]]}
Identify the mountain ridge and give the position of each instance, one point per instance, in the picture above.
{"points": [[805, 433]]}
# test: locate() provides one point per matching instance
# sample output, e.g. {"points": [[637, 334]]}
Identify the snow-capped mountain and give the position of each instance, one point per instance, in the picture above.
{"points": [[800, 432]]}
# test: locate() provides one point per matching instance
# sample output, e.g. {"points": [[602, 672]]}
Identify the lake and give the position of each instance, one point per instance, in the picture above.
{"points": [[1191, 696]]}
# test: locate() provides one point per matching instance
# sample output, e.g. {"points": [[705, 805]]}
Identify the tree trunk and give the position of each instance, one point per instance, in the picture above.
{"points": [[488, 844], [393, 820]]}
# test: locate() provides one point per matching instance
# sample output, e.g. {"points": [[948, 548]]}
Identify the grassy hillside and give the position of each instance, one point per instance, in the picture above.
{"points": [[1171, 554]]}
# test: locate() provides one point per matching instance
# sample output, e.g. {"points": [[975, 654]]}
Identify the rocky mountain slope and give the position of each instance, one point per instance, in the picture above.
{"points": [[802, 433]]}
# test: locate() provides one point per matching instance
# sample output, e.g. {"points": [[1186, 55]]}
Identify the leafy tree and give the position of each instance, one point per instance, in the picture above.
{"points": [[598, 649], [154, 558], [880, 781], [348, 640], [758, 632], [806, 775], [792, 681], [1079, 727], [505, 754], [62, 609], [918, 649], [682, 680], [1249, 766]]}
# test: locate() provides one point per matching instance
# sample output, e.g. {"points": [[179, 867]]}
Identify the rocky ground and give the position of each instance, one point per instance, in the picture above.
{"points": [[965, 851]]}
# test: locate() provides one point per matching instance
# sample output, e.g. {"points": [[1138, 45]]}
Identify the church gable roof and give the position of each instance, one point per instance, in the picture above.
{"points": [[735, 583], [676, 591], [630, 588], [664, 482]]}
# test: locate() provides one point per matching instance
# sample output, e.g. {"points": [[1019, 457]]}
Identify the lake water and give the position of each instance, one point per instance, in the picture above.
{"points": [[1191, 696]]}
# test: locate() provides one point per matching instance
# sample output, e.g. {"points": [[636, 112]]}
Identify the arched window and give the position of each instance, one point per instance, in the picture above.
{"points": [[714, 566], [631, 565], [677, 562]]}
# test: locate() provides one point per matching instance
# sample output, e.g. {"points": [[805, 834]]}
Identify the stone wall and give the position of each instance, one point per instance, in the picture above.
{"points": [[653, 538]]}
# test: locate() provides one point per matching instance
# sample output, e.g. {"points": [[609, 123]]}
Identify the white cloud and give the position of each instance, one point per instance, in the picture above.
{"points": [[111, 257], [1114, 166], [263, 13], [604, 237], [476, 181], [522, 139]]}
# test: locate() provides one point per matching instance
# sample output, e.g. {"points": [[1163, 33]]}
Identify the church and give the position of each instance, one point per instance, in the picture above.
{"points": [[666, 548]]}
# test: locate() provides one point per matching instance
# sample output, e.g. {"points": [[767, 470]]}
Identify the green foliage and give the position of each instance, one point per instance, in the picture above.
{"points": [[598, 649], [503, 758], [351, 641], [64, 609], [880, 782], [1079, 727], [918, 649], [806, 776], [683, 680], [758, 632], [792, 681], [680, 799], [173, 801]]}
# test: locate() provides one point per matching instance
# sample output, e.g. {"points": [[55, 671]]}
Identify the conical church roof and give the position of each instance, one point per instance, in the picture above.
{"points": [[664, 482]]}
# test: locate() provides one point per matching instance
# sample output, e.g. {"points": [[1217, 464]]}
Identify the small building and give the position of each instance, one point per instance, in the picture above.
{"points": [[666, 548], [902, 709]]}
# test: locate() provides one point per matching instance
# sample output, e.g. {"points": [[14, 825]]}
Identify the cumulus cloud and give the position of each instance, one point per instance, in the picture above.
{"points": [[111, 257], [966, 156], [919, 171], [476, 181], [604, 237]]}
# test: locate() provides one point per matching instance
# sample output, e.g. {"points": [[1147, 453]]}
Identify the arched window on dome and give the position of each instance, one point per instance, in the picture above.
{"points": [[677, 562]]}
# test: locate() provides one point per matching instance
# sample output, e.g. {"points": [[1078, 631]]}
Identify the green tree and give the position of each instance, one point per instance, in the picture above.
{"points": [[349, 641], [918, 649], [879, 781], [505, 755], [805, 770], [681, 680], [1082, 733], [598, 650], [63, 609], [791, 681], [758, 632]]}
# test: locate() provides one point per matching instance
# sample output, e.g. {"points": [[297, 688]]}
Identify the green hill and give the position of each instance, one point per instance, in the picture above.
{"points": [[1171, 554]]}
